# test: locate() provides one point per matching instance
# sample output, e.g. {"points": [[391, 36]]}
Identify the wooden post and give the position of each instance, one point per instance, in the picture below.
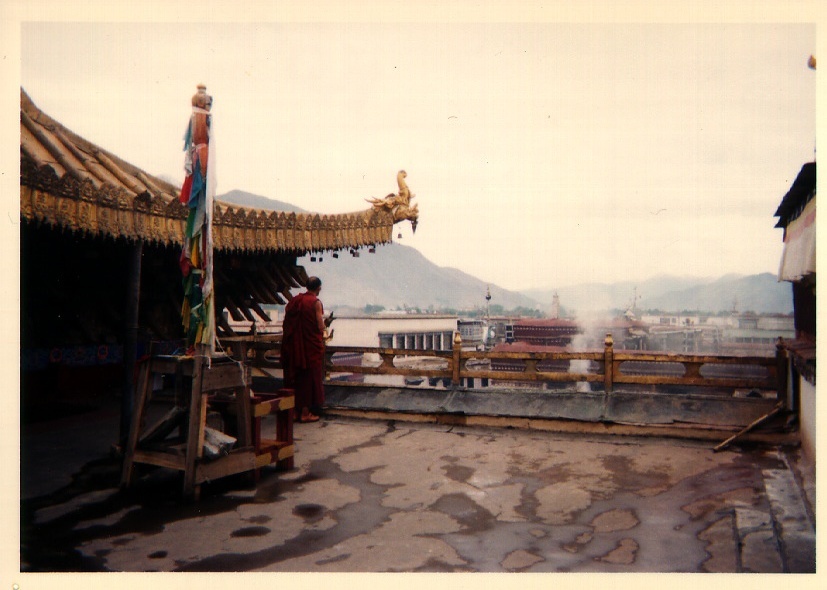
{"points": [[284, 430], [195, 427], [782, 368], [130, 444], [130, 345], [608, 363], [457, 350], [243, 403]]}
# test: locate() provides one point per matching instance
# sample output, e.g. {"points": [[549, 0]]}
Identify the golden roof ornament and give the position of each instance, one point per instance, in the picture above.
{"points": [[399, 205]]}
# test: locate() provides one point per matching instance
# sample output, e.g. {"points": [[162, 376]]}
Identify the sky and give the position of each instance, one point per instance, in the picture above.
{"points": [[542, 153]]}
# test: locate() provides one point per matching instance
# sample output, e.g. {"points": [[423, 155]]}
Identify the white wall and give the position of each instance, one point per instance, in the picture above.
{"points": [[364, 331], [808, 419]]}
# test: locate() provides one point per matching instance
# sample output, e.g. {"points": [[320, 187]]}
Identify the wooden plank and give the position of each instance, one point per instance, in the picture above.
{"points": [[667, 357], [779, 406], [273, 452], [164, 426], [264, 408], [538, 376], [285, 452], [226, 376], [235, 462], [539, 356], [271, 406], [142, 389], [392, 352], [392, 371], [171, 365], [160, 459], [698, 382]]}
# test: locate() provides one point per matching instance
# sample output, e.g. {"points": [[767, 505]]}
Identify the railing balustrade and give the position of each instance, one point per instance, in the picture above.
{"points": [[607, 369]]}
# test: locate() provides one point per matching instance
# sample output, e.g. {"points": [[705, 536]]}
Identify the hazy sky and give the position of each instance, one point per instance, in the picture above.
{"points": [[541, 154]]}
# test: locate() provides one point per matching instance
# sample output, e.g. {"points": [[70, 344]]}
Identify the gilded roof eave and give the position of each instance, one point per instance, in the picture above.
{"points": [[66, 181]]}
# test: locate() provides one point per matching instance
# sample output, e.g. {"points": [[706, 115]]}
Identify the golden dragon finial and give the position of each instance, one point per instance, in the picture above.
{"points": [[399, 205]]}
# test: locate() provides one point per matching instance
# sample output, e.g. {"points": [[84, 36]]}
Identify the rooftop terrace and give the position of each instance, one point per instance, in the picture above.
{"points": [[385, 495]]}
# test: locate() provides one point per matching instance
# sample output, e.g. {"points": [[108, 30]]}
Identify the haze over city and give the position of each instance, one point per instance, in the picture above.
{"points": [[541, 154]]}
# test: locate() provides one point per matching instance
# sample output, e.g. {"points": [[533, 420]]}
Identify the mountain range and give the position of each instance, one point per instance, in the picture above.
{"points": [[245, 199], [398, 276], [760, 293]]}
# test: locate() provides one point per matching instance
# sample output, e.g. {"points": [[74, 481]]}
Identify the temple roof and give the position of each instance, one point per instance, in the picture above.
{"points": [[69, 182], [802, 189]]}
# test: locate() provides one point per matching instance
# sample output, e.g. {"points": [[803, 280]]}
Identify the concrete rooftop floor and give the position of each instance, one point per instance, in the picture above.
{"points": [[392, 496]]}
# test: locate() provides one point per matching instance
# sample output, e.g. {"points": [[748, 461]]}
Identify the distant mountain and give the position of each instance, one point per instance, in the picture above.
{"points": [[760, 293], [603, 296], [398, 276], [245, 199]]}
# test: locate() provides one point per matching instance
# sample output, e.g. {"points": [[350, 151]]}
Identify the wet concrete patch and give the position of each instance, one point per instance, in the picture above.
{"points": [[626, 476], [520, 560], [473, 517], [623, 554], [615, 520], [250, 531], [338, 558], [437, 566], [310, 512], [351, 520], [458, 473]]}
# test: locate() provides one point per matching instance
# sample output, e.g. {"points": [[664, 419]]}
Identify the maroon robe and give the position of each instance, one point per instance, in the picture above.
{"points": [[302, 351]]}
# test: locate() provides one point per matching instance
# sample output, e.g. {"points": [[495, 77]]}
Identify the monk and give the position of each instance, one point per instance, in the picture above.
{"points": [[302, 350]]}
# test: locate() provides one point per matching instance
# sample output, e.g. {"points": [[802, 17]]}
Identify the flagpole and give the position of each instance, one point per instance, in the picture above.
{"points": [[198, 193]]}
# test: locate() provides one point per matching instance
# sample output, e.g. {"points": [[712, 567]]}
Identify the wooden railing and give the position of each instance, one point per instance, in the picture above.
{"points": [[605, 369]]}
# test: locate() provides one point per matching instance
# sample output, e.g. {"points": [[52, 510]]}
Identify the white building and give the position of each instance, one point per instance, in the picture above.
{"points": [[407, 331]]}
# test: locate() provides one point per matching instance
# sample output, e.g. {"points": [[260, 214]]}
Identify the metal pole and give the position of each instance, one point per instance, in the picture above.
{"points": [[130, 346]]}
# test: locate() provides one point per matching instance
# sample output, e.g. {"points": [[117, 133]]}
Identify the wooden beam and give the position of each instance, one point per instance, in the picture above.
{"points": [[233, 308], [222, 323], [263, 314], [755, 424]]}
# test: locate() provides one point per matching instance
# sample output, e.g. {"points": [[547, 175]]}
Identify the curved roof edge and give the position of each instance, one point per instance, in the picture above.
{"points": [[69, 182]]}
